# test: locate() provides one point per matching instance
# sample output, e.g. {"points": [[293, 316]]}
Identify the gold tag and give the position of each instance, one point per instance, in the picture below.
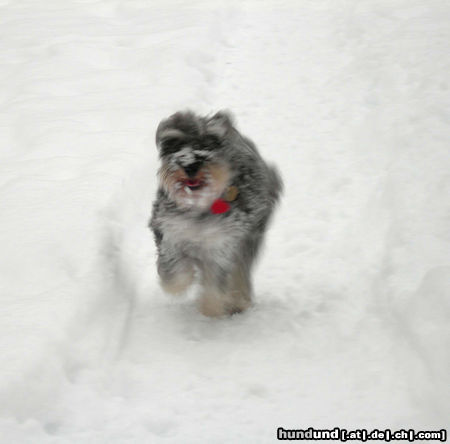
{"points": [[231, 193]]}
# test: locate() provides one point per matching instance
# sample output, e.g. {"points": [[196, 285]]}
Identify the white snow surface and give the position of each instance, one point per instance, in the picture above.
{"points": [[350, 325]]}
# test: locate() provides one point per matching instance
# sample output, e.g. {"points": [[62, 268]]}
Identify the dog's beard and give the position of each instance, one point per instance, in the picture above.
{"points": [[198, 192]]}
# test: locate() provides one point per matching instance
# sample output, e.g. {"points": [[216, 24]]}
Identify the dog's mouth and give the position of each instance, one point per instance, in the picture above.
{"points": [[193, 184], [195, 191]]}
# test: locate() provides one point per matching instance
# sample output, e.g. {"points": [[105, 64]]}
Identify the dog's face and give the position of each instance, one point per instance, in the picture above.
{"points": [[194, 172]]}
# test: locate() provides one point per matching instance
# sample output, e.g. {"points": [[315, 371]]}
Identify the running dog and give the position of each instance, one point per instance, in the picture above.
{"points": [[214, 201]]}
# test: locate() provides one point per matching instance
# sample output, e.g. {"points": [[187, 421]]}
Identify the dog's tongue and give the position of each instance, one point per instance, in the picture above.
{"points": [[192, 182]]}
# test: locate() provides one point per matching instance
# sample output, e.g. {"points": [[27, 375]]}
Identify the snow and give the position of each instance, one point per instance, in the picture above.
{"points": [[350, 323]]}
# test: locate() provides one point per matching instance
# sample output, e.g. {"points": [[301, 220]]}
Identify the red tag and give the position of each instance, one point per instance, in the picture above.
{"points": [[220, 206]]}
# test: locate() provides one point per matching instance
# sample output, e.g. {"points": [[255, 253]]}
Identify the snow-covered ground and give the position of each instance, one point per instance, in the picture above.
{"points": [[350, 325]]}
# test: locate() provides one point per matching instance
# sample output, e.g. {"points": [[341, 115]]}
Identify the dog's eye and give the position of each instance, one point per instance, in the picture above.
{"points": [[171, 145]]}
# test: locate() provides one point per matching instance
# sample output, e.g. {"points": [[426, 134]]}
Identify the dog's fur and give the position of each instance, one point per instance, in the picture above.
{"points": [[201, 158]]}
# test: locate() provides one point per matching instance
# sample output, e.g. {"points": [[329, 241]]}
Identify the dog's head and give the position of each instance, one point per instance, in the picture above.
{"points": [[194, 170]]}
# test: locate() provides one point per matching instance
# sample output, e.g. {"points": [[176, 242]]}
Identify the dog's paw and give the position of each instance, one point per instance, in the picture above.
{"points": [[217, 305], [211, 306], [239, 307], [178, 283]]}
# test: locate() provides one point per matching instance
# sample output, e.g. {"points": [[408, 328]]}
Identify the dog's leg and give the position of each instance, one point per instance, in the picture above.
{"points": [[176, 273], [179, 282], [240, 289], [214, 297], [225, 293], [239, 282], [212, 302]]}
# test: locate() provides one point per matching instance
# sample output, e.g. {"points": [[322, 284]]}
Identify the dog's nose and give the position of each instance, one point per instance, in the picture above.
{"points": [[192, 169]]}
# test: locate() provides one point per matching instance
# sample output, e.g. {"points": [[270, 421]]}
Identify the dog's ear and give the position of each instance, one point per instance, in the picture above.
{"points": [[219, 124]]}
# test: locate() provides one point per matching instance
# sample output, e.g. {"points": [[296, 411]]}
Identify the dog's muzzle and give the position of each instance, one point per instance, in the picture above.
{"points": [[192, 169]]}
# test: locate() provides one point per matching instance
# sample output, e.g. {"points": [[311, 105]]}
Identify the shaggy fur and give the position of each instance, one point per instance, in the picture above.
{"points": [[205, 159]]}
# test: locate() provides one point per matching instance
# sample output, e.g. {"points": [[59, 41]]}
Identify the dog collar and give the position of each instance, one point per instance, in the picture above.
{"points": [[220, 206]]}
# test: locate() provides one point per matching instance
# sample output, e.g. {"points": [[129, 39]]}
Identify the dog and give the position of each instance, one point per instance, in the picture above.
{"points": [[215, 198]]}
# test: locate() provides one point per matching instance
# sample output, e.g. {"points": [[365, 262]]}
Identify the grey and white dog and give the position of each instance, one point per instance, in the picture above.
{"points": [[215, 198]]}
